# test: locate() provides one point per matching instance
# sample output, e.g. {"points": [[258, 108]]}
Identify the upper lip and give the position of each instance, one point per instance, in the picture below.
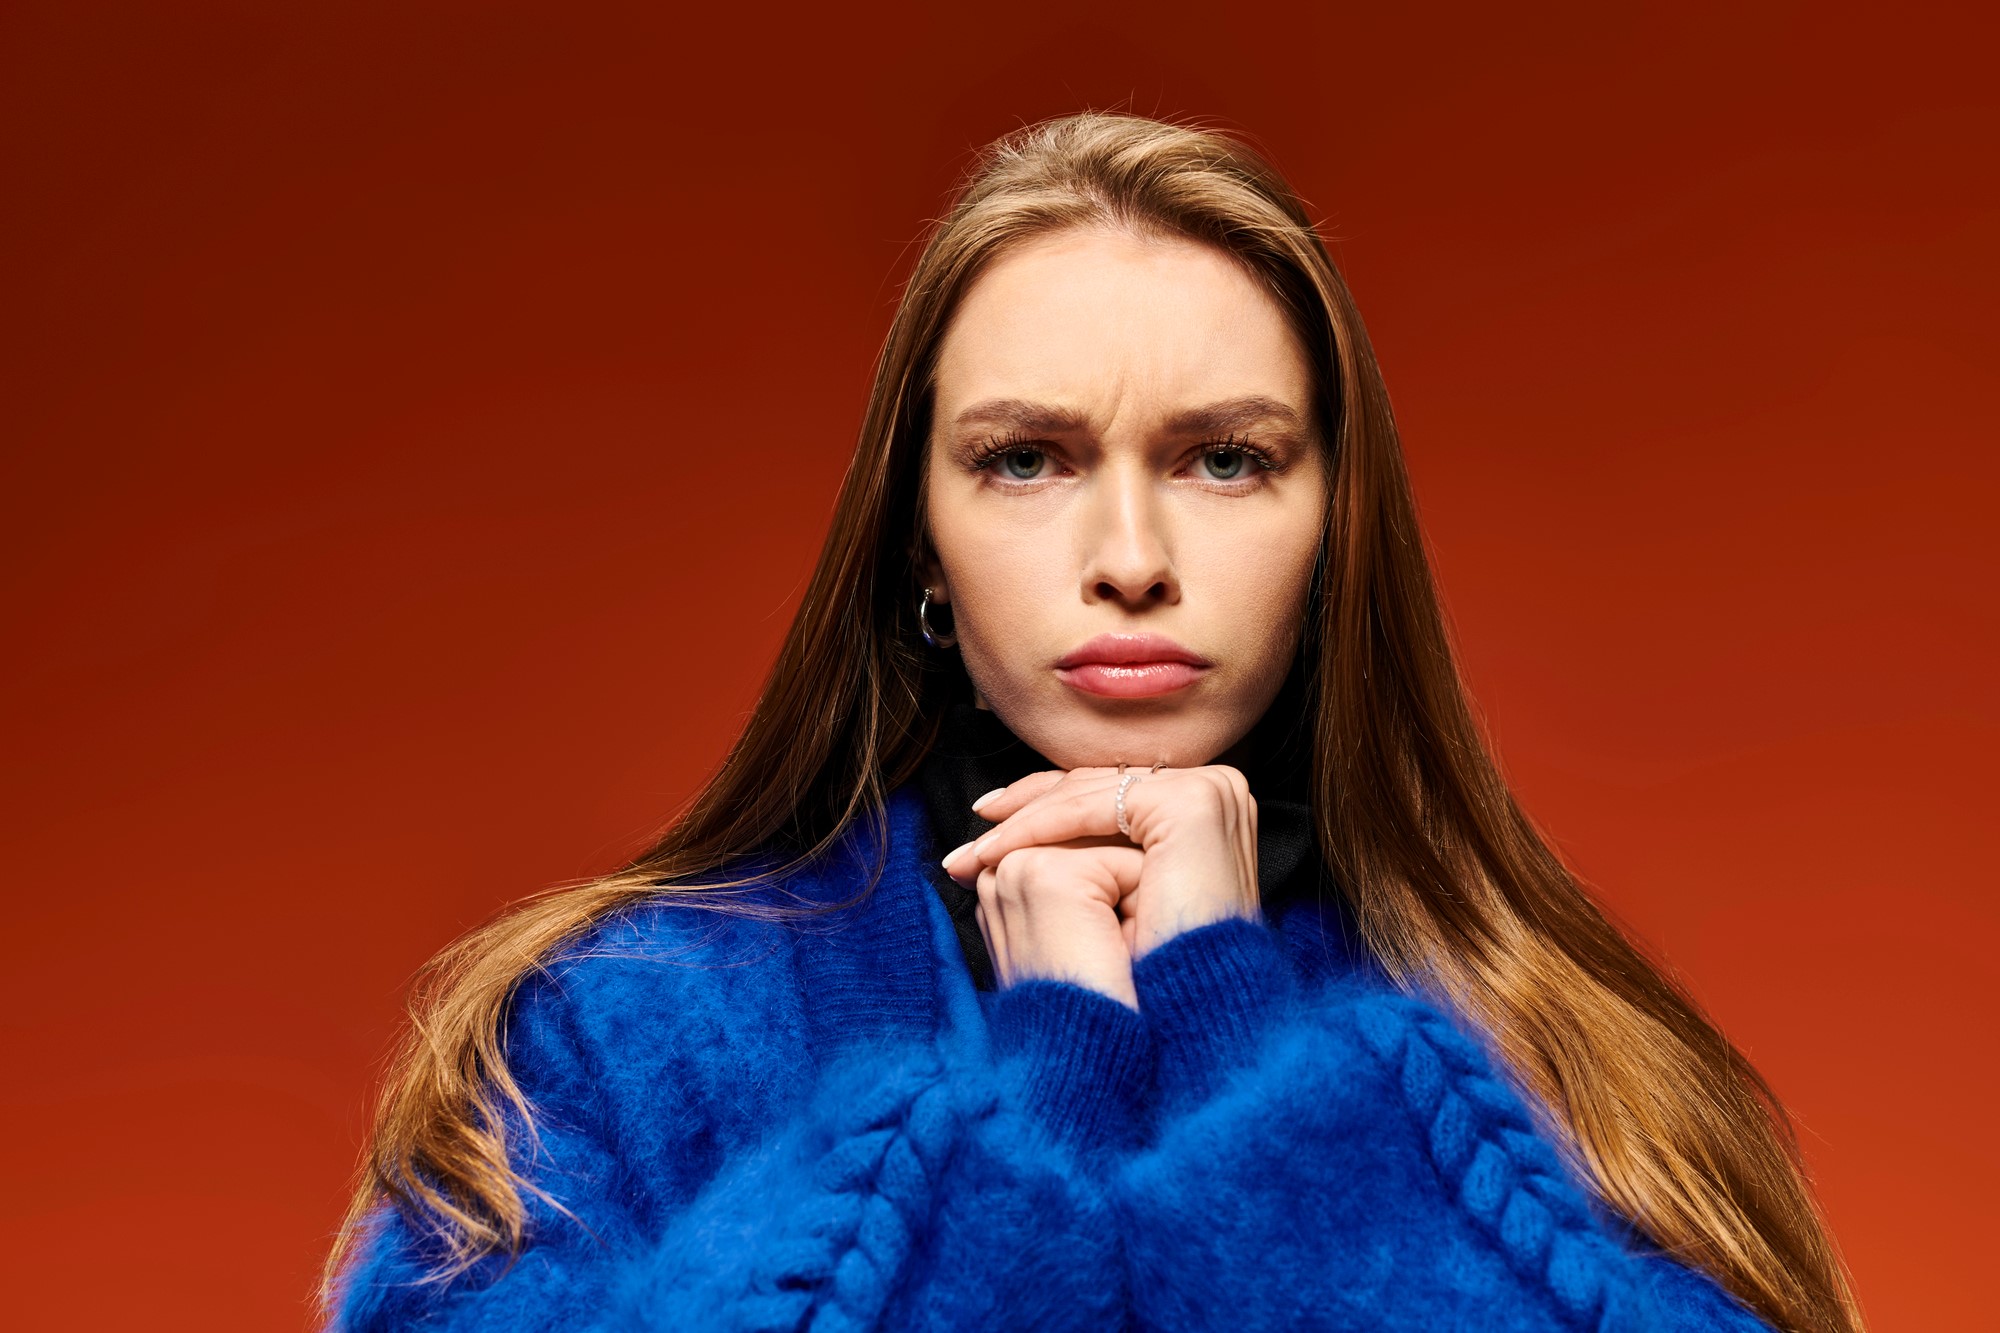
{"points": [[1128, 648]]}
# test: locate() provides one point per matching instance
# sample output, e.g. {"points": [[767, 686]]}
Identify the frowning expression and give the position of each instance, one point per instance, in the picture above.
{"points": [[1125, 495]]}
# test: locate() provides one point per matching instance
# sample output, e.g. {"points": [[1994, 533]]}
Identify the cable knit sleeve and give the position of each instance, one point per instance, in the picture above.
{"points": [[1209, 996], [1077, 1061], [1351, 1159], [703, 1176]]}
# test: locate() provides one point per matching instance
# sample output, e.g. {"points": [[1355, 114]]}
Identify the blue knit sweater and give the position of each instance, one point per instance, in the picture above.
{"points": [[752, 1125]]}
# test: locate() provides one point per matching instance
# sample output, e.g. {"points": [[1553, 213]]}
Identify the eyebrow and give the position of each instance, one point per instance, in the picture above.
{"points": [[1020, 414], [1233, 414], [1210, 418]]}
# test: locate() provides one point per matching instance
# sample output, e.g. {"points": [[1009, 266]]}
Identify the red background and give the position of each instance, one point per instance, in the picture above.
{"points": [[418, 426]]}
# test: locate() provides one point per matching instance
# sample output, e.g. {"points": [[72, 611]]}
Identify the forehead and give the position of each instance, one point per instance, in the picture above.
{"points": [[1103, 320]]}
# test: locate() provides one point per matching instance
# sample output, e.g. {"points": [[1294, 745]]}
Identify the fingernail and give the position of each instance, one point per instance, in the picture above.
{"points": [[954, 854], [987, 797], [979, 845]]}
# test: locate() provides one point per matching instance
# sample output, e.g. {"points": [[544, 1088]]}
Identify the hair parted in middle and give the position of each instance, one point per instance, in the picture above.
{"points": [[1457, 892]]}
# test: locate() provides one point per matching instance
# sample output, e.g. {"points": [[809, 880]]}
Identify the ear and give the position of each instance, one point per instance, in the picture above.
{"points": [[930, 573]]}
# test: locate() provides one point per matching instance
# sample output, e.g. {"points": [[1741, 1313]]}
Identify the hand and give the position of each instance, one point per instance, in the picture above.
{"points": [[1051, 910], [1195, 830]]}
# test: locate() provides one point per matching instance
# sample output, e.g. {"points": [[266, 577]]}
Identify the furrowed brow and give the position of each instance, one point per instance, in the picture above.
{"points": [[1230, 414], [1217, 418], [1021, 415]]}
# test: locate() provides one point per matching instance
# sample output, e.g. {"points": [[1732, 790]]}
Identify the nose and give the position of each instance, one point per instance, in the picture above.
{"points": [[1128, 557]]}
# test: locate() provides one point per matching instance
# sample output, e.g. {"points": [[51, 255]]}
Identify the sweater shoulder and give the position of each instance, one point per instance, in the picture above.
{"points": [[674, 937], [676, 944], [664, 1008]]}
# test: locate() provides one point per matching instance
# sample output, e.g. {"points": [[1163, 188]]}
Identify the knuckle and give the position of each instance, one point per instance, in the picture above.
{"points": [[1028, 862], [1215, 795], [1009, 878]]}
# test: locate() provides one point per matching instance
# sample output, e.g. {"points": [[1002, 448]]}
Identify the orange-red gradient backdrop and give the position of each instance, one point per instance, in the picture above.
{"points": [[419, 422]]}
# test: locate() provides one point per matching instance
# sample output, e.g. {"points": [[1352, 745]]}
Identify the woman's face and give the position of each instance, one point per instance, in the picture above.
{"points": [[1123, 473]]}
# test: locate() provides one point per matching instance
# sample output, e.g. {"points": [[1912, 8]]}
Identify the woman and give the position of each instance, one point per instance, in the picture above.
{"points": [[1246, 993]]}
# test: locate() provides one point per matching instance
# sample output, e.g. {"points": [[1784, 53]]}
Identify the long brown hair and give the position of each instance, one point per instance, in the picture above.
{"points": [[1457, 892]]}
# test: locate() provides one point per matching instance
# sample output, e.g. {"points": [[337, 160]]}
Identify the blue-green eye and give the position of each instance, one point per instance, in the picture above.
{"points": [[1022, 464], [1224, 464], [1012, 459], [1018, 461]]}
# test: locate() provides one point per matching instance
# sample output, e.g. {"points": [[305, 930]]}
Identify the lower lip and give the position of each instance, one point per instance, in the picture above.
{"points": [[1130, 680]]}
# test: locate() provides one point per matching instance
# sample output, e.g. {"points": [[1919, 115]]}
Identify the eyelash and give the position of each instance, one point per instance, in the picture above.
{"points": [[1000, 446]]}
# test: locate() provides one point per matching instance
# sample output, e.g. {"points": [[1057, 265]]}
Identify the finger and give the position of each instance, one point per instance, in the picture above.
{"points": [[990, 924], [986, 931], [1080, 808], [1001, 802], [994, 806]]}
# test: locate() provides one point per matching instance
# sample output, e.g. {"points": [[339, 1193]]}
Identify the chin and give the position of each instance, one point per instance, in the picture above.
{"points": [[1073, 730], [1097, 741]]}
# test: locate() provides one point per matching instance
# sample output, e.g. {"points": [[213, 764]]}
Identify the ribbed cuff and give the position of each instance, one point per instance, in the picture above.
{"points": [[1084, 1059], [1208, 995]]}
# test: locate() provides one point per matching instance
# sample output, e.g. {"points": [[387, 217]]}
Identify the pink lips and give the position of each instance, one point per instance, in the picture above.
{"points": [[1130, 666]]}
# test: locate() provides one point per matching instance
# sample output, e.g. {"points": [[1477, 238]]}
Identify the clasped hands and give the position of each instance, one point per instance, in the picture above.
{"points": [[1063, 894]]}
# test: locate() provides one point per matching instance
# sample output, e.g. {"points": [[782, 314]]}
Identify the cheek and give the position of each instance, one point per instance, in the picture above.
{"points": [[1253, 587], [1000, 645], [1000, 589]]}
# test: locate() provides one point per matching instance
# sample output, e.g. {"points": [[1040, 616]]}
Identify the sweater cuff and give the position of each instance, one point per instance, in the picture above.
{"points": [[1208, 995], [1084, 1059]]}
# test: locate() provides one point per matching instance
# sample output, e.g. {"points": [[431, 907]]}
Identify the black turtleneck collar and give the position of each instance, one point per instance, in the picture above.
{"points": [[976, 752]]}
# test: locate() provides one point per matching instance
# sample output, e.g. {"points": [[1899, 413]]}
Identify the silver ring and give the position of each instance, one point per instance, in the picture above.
{"points": [[1125, 781]]}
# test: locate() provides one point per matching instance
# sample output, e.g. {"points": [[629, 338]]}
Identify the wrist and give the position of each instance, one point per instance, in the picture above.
{"points": [[1208, 995], [1083, 1059]]}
